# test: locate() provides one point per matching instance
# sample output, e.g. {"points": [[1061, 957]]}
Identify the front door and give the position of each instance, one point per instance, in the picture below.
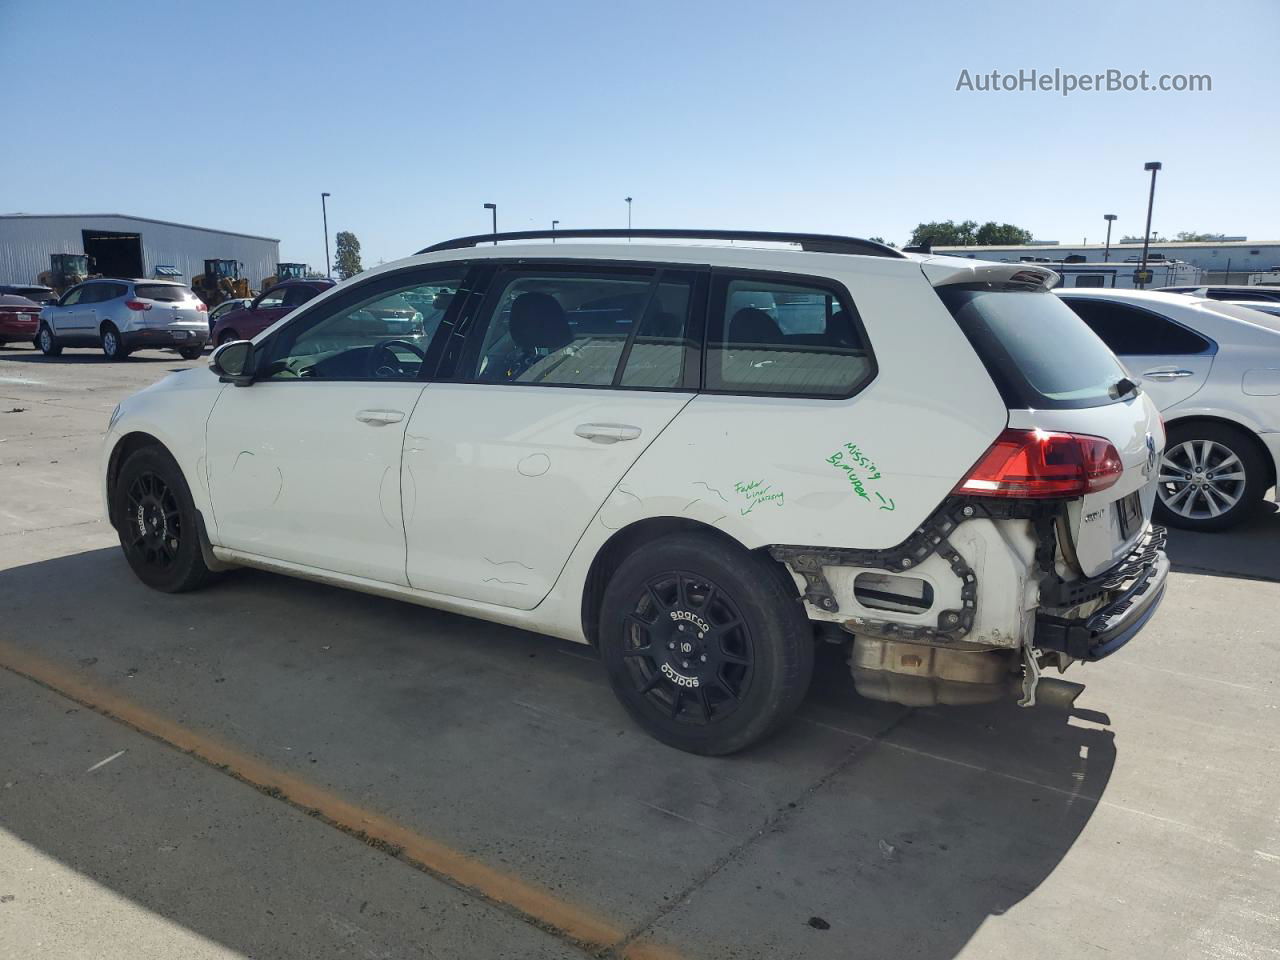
{"points": [[304, 464], [566, 376]]}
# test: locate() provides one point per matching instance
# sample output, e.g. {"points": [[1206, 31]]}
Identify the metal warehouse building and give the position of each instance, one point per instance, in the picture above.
{"points": [[123, 246]]}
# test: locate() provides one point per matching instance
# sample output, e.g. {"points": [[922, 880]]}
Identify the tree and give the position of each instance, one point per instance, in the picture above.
{"points": [[1190, 236], [1003, 234], [346, 254], [948, 233], [887, 243], [944, 233]]}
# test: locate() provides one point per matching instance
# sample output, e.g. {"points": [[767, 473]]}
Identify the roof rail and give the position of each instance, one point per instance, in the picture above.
{"points": [[811, 242]]}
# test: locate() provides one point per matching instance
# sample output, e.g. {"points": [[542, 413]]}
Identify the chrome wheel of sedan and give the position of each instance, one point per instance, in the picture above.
{"points": [[1201, 479]]}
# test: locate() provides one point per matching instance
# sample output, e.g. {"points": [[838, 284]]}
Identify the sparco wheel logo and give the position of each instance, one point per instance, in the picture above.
{"points": [[678, 679], [693, 618]]}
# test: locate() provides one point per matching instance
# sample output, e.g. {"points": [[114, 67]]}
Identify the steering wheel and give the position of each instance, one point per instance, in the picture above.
{"points": [[384, 371]]}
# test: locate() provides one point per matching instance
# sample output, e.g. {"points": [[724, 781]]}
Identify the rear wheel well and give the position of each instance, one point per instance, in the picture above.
{"points": [[1258, 445], [625, 542], [126, 446]]}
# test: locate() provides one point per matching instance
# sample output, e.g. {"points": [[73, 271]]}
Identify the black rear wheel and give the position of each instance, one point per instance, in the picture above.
{"points": [[156, 520], [113, 343], [706, 645], [190, 353]]}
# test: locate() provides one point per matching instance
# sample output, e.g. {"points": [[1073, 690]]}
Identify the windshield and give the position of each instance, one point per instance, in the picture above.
{"points": [[1038, 352]]}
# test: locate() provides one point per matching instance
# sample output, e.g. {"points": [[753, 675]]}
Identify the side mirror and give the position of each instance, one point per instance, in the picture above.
{"points": [[233, 362]]}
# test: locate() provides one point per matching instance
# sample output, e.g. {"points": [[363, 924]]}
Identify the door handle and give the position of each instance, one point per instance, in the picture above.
{"points": [[1166, 373], [379, 418], [606, 432]]}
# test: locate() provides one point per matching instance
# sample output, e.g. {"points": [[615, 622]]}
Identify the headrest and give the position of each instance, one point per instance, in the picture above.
{"points": [[538, 322]]}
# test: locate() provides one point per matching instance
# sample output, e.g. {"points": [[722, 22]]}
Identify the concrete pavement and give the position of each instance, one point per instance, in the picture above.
{"points": [[1146, 824]]}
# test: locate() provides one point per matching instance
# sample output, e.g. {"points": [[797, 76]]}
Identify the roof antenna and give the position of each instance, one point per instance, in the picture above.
{"points": [[924, 246]]}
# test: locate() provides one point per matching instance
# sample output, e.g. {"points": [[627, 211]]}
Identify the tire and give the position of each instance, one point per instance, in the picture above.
{"points": [[1212, 477], [46, 342], [226, 336], [190, 353], [156, 522], [706, 645], [113, 344]]}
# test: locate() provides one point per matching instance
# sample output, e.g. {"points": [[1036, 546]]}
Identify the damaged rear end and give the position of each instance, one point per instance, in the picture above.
{"points": [[1044, 553]]}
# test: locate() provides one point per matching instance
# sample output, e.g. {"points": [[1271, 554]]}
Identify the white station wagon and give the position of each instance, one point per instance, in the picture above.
{"points": [[701, 458]]}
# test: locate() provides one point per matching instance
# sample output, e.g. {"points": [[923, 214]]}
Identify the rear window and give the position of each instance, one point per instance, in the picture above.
{"points": [[164, 292], [1038, 352]]}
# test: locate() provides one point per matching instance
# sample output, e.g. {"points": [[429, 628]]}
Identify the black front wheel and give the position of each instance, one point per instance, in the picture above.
{"points": [[1212, 477], [706, 645], [156, 520]]}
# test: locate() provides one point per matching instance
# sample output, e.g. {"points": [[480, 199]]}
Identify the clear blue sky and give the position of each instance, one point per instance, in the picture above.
{"points": [[836, 116]]}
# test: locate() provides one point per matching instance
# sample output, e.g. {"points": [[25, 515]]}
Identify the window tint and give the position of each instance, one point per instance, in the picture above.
{"points": [[383, 337], [578, 328], [273, 297], [297, 296], [164, 292], [1038, 352], [774, 337], [1090, 280], [1129, 331]]}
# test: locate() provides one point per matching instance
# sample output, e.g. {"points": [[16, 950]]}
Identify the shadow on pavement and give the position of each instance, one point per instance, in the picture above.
{"points": [[900, 830], [1249, 550]]}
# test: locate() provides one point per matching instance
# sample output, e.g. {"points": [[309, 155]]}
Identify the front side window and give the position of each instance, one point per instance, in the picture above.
{"points": [[586, 328], [272, 298], [780, 337], [72, 297], [384, 336]]}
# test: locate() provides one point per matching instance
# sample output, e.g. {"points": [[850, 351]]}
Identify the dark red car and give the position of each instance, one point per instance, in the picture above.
{"points": [[247, 322], [19, 319]]}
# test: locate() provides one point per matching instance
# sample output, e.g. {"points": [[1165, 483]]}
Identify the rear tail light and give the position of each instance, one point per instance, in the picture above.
{"points": [[1038, 465], [202, 307], [137, 305]]}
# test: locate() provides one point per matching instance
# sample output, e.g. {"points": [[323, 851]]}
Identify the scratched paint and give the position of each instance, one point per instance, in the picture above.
{"points": [[757, 493], [861, 472]]}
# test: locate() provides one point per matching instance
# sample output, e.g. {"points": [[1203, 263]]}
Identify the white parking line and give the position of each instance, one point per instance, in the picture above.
{"points": [[23, 380]]}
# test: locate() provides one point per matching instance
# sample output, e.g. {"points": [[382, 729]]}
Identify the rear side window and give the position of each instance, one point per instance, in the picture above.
{"points": [[1038, 352], [163, 292], [776, 336], [587, 327], [1129, 331]]}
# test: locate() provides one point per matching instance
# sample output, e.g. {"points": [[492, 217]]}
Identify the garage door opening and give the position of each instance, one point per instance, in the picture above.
{"points": [[114, 254]]}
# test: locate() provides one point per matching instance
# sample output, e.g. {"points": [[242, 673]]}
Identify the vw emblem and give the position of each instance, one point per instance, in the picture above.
{"points": [[1150, 465]]}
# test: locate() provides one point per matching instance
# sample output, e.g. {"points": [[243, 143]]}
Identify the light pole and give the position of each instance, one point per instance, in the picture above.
{"points": [[1146, 237], [554, 224], [1110, 218], [628, 219], [324, 211], [494, 208]]}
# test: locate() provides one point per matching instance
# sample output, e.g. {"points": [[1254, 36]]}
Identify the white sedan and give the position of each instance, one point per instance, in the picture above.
{"points": [[1213, 369]]}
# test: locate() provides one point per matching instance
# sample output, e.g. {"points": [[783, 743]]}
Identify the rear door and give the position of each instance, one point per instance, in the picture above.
{"points": [[563, 376], [1171, 361]]}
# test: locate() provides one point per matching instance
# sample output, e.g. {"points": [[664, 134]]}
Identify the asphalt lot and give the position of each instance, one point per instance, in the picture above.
{"points": [[271, 768]]}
